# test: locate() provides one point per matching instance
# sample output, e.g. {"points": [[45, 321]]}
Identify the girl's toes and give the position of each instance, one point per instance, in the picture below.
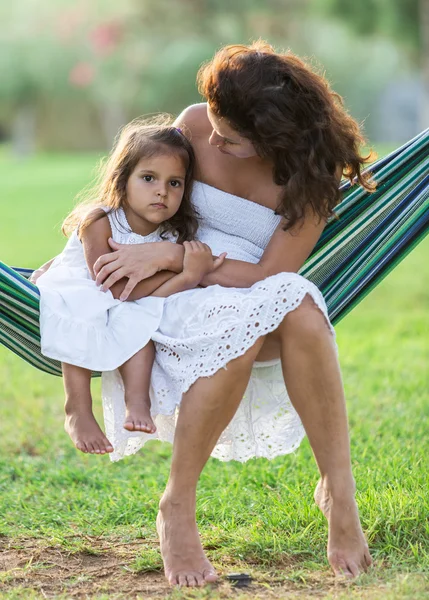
{"points": [[101, 447], [106, 446], [90, 447], [129, 425]]}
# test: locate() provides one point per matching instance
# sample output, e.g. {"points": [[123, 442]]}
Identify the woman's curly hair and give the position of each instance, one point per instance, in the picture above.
{"points": [[293, 119]]}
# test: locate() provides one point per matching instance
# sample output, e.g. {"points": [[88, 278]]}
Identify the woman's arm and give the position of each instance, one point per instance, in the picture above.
{"points": [[95, 244], [137, 263], [287, 251], [198, 262]]}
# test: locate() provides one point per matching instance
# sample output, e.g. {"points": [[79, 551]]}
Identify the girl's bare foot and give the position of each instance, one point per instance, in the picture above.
{"points": [[348, 552], [185, 563], [137, 415], [85, 432]]}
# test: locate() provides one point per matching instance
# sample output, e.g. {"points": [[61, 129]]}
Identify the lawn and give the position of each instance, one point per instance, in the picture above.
{"points": [[77, 526]]}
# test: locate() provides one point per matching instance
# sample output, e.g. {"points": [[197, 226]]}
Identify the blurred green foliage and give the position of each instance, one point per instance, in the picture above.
{"points": [[74, 71]]}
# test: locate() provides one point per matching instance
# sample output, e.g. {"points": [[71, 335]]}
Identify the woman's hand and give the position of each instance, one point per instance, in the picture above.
{"points": [[199, 261], [135, 262], [38, 272]]}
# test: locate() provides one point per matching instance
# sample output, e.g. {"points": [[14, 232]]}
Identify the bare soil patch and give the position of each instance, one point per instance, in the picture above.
{"points": [[30, 568]]}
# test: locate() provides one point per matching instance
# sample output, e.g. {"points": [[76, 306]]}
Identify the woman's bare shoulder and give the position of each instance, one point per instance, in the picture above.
{"points": [[194, 120]]}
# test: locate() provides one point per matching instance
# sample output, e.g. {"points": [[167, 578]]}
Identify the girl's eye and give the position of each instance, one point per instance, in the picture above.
{"points": [[148, 178], [175, 183]]}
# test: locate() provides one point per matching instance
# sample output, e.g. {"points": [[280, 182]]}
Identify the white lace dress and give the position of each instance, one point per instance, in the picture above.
{"points": [[83, 326], [202, 330]]}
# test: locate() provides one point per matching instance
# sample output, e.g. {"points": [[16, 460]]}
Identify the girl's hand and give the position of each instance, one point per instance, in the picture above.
{"points": [[199, 261], [133, 261]]}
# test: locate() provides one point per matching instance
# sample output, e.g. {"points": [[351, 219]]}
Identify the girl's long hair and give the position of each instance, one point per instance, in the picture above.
{"points": [[142, 138], [293, 119]]}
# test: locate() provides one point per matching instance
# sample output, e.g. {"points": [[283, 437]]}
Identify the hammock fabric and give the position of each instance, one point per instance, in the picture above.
{"points": [[371, 234]]}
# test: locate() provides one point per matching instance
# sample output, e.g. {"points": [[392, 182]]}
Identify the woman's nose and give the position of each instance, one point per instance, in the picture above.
{"points": [[215, 139]]}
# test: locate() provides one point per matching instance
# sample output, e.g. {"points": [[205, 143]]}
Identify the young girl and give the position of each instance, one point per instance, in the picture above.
{"points": [[143, 196]]}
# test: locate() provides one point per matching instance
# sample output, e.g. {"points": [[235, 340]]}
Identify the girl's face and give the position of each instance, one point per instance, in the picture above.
{"points": [[227, 140], [154, 192]]}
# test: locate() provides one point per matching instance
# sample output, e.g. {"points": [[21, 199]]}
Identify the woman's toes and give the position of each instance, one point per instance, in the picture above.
{"points": [[182, 580], [341, 569], [210, 576], [82, 447], [368, 559], [191, 581]]}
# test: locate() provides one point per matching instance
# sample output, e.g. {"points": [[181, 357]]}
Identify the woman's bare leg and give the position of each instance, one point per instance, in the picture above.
{"points": [[313, 380], [80, 422], [314, 384], [136, 374], [205, 411]]}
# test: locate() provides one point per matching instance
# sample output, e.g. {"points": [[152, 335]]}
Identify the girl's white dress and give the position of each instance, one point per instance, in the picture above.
{"points": [[202, 330], [83, 326]]}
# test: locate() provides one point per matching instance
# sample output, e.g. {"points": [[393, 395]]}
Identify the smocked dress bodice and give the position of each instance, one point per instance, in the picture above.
{"points": [[232, 224]]}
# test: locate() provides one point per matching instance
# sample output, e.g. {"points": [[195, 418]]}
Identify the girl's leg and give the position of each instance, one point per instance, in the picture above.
{"points": [[136, 374], [80, 422], [205, 411], [313, 380]]}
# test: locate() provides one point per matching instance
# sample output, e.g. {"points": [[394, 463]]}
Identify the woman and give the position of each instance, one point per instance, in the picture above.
{"points": [[271, 145]]}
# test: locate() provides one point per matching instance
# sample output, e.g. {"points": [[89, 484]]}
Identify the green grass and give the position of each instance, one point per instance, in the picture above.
{"points": [[257, 517]]}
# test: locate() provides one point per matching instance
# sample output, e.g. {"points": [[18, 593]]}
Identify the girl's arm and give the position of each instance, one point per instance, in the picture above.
{"points": [[137, 263], [197, 263], [95, 243], [286, 252]]}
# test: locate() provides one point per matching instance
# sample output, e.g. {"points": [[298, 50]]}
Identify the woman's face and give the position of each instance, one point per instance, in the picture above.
{"points": [[227, 140]]}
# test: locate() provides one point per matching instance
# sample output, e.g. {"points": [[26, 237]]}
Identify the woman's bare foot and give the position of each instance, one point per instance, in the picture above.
{"points": [[185, 563], [137, 415], [348, 552], [85, 432]]}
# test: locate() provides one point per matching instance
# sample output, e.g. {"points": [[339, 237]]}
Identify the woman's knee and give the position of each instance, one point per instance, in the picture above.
{"points": [[306, 321]]}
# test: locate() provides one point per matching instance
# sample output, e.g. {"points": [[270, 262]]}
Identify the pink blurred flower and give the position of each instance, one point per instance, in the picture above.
{"points": [[105, 38], [82, 75]]}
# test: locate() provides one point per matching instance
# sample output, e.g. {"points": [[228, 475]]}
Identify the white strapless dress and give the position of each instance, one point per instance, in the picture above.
{"points": [[202, 330]]}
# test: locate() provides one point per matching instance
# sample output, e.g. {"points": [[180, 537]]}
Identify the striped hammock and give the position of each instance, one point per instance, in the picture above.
{"points": [[373, 232]]}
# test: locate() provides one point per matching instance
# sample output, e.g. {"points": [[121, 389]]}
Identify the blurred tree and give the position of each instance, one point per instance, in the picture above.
{"points": [[406, 21], [73, 71]]}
